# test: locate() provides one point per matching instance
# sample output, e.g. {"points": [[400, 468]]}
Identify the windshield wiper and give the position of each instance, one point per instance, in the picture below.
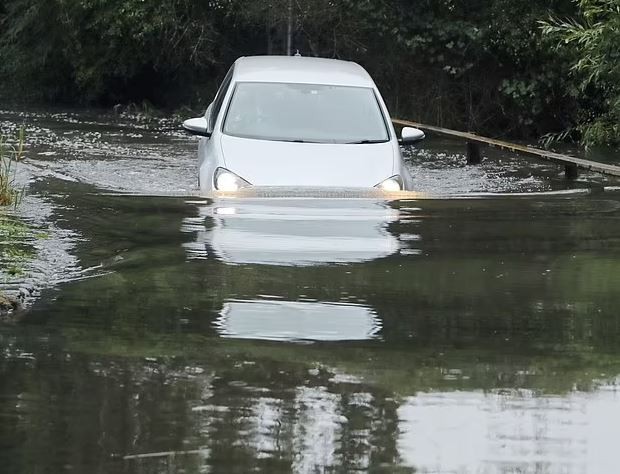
{"points": [[364, 142], [296, 140]]}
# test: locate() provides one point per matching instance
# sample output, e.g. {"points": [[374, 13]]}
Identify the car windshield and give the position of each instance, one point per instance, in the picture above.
{"points": [[305, 113]]}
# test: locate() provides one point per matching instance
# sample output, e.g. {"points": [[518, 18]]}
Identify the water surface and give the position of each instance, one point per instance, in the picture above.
{"points": [[473, 330]]}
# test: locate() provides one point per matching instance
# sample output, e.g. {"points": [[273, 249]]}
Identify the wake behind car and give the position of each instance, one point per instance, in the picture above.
{"points": [[289, 121]]}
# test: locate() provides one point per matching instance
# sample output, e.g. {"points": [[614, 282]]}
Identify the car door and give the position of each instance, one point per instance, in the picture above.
{"points": [[208, 154]]}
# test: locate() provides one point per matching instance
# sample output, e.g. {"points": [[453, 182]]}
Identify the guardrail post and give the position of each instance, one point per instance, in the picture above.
{"points": [[571, 171], [473, 153]]}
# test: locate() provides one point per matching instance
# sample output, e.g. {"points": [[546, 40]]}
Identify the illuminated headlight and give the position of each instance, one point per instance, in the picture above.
{"points": [[395, 183], [225, 180]]}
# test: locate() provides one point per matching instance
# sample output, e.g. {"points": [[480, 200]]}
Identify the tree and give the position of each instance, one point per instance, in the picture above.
{"points": [[107, 51], [593, 38]]}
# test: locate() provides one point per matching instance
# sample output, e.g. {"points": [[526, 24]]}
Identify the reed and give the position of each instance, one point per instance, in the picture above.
{"points": [[10, 155]]}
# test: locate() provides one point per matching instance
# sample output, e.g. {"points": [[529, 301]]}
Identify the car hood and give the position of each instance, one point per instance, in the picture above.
{"points": [[273, 163]]}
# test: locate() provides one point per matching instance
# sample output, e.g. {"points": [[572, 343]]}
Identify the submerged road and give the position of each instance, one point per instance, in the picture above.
{"points": [[473, 328]]}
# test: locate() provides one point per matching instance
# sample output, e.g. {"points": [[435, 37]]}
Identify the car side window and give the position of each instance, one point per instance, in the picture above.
{"points": [[219, 98]]}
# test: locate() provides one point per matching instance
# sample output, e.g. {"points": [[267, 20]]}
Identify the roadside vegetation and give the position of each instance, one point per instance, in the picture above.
{"points": [[10, 195], [593, 41], [12, 231], [500, 67]]}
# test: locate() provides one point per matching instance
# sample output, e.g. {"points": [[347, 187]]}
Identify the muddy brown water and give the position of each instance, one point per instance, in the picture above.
{"points": [[475, 329]]}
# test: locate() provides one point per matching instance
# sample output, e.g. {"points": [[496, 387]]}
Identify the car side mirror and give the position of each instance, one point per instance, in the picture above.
{"points": [[411, 135], [197, 126]]}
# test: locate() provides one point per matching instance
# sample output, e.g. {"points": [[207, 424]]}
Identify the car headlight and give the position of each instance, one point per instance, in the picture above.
{"points": [[394, 183], [225, 180]]}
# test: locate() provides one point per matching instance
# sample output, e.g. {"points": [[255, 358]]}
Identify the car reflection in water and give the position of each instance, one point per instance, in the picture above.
{"points": [[289, 232], [294, 232], [294, 320]]}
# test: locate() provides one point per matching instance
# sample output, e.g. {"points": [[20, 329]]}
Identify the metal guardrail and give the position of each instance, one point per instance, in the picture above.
{"points": [[570, 163]]}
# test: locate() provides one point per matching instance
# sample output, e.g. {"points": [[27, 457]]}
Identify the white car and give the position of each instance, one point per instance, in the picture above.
{"points": [[290, 121]]}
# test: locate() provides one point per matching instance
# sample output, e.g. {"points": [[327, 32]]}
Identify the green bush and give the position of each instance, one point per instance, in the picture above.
{"points": [[593, 40]]}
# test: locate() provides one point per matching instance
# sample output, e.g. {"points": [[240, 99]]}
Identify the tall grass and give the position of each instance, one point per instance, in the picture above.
{"points": [[9, 156]]}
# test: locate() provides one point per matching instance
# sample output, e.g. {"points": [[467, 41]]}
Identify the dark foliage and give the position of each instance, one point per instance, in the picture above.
{"points": [[486, 66]]}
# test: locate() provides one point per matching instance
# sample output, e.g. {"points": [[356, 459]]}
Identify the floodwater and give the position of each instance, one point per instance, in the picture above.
{"points": [[474, 328]]}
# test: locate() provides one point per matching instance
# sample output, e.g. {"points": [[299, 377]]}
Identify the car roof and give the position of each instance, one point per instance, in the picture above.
{"points": [[301, 70]]}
